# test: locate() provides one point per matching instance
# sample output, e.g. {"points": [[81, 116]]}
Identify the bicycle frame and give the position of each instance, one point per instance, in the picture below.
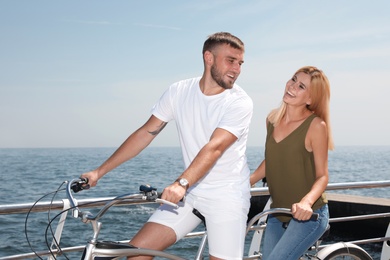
{"points": [[111, 250]]}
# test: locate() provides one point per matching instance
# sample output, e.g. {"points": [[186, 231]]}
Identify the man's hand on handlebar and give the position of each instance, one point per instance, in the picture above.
{"points": [[92, 177], [174, 193]]}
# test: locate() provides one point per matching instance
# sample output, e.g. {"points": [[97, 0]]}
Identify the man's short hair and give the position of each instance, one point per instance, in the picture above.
{"points": [[220, 38]]}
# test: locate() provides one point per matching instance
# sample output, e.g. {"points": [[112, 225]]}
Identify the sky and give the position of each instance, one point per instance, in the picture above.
{"points": [[87, 73]]}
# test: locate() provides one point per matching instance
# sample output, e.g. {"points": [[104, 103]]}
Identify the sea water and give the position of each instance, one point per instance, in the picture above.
{"points": [[28, 174]]}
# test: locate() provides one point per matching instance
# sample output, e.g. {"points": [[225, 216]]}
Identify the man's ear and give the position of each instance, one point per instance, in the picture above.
{"points": [[208, 57]]}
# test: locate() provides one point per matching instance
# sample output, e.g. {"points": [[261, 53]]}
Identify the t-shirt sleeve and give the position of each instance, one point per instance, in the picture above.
{"points": [[163, 109], [238, 117]]}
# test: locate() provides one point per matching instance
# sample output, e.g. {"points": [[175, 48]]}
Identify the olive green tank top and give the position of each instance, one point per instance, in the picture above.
{"points": [[290, 169]]}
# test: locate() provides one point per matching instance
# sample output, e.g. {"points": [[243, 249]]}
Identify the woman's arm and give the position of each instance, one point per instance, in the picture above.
{"points": [[258, 174], [317, 142]]}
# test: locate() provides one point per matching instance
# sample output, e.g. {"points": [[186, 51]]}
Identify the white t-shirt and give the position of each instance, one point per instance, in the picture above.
{"points": [[197, 116]]}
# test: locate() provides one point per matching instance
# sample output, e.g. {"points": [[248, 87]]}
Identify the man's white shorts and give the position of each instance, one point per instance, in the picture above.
{"points": [[225, 221]]}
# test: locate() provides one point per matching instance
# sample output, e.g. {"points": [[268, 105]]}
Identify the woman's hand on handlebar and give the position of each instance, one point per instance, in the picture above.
{"points": [[301, 211], [92, 177]]}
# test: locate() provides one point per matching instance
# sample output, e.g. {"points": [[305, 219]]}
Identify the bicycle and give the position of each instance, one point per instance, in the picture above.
{"points": [[107, 250]]}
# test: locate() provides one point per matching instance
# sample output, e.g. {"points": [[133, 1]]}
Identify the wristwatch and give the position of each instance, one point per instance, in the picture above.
{"points": [[183, 182]]}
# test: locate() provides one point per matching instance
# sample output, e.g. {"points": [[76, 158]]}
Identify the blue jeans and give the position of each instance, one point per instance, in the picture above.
{"points": [[292, 242]]}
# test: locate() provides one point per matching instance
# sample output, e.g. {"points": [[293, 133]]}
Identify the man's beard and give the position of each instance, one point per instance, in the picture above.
{"points": [[217, 77]]}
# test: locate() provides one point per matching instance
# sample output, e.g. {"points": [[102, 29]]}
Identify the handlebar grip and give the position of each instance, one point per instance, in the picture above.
{"points": [[315, 216], [79, 185], [153, 194], [160, 193]]}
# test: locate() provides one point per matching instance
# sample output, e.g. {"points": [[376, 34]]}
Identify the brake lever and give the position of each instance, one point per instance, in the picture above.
{"points": [[162, 201]]}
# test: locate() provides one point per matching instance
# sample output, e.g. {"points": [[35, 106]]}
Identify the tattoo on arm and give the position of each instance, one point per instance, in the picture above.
{"points": [[159, 129]]}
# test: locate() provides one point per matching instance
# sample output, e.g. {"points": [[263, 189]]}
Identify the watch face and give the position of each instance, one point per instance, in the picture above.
{"points": [[183, 182]]}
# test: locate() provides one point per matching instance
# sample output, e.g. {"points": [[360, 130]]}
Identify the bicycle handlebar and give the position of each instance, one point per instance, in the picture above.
{"points": [[76, 185], [147, 193], [79, 184], [286, 211]]}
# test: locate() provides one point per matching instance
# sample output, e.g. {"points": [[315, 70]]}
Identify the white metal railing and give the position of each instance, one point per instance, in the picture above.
{"points": [[98, 202], [258, 191]]}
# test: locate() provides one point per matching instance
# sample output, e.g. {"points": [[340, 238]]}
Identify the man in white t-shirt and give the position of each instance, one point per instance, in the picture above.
{"points": [[212, 116]]}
